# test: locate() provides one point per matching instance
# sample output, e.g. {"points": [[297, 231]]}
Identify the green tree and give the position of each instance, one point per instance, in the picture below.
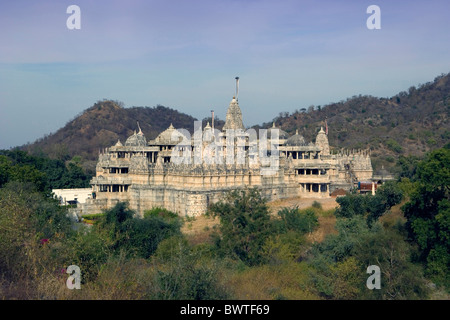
{"points": [[74, 177], [371, 206], [142, 236], [387, 196], [428, 214], [351, 205], [406, 166], [88, 250], [134, 235], [5, 165], [245, 225]]}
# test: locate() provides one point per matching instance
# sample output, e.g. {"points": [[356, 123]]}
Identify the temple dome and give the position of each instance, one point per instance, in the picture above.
{"points": [[170, 136], [296, 140], [136, 140]]}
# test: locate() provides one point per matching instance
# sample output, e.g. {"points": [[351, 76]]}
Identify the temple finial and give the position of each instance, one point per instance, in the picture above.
{"points": [[237, 87]]}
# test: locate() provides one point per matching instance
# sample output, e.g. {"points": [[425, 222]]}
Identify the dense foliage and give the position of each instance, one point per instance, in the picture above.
{"points": [[386, 196], [45, 173]]}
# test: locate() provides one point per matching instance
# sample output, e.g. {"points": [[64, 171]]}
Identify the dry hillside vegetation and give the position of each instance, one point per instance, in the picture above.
{"points": [[199, 229]]}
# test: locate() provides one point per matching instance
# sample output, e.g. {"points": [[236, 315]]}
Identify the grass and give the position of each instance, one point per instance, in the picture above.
{"points": [[198, 230], [288, 281]]}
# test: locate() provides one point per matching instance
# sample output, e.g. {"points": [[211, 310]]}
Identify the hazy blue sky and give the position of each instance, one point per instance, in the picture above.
{"points": [[185, 55]]}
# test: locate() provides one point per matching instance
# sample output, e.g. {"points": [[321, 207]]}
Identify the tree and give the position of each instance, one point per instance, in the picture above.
{"points": [[74, 177], [374, 206], [337, 247], [351, 205], [406, 166], [244, 225], [387, 196], [141, 237], [428, 214], [136, 236]]}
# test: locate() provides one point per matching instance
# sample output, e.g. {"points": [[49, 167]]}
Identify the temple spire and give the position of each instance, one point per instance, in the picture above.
{"points": [[237, 87], [233, 119]]}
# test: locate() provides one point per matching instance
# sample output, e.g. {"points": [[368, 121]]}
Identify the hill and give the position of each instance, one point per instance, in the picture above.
{"points": [[410, 123]]}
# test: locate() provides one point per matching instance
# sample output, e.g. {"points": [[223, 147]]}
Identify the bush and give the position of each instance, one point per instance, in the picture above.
{"points": [[337, 247], [160, 212], [137, 236], [388, 195], [394, 145], [302, 221], [28, 222], [86, 249], [185, 274], [284, 248], [317, 205], [340, 280], [141, 237]]}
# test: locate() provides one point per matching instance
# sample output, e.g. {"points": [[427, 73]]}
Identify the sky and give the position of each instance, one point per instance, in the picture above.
{"points": [[185, 54]]}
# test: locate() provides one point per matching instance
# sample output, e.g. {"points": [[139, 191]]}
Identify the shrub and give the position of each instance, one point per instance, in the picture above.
{"points": [[302, 221], [141, 237], [317, 205], [160, 212], [183, 273], [393, 145]]}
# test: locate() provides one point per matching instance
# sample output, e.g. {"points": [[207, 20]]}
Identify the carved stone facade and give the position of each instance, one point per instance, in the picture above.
{"points": [[186, 174]]}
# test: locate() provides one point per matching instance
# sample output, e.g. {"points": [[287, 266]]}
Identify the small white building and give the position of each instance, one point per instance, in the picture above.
{"points": [[72, 196]]}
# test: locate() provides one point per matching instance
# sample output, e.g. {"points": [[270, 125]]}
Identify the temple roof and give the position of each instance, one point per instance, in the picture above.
{"points": [[136, 140], [296, 140], [234, 117], [170, 136]]}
